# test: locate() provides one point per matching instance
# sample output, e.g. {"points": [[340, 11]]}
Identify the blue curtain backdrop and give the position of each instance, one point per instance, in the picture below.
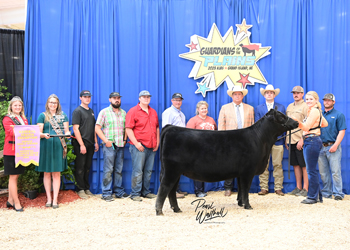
{"points": [[129, 46]]}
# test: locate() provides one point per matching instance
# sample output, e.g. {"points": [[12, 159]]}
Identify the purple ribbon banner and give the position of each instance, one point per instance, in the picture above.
{"points": [[27, 148]]}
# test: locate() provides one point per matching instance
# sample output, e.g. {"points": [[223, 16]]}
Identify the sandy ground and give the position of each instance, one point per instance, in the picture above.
{"points": [[275, 223]]}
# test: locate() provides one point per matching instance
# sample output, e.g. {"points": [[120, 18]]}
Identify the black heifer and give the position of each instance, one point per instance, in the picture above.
{"points": [[212, 156]]}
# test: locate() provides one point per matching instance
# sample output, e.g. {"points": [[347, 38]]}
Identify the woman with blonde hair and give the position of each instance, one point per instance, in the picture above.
{"points": [[15, 116], [312, 144], [53, 150], [204, 122]]}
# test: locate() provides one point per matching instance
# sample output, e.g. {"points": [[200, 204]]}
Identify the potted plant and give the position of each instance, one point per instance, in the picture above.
{"points": [[68, 174], [29, 182]]}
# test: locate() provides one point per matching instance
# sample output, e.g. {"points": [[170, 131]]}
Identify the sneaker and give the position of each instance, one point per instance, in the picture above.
{"points": [[108, 198], [150, 196], [82, 194], [89, 193], [303, 192], [201, 194], [295, 191], [136, 198], [338, 198], [125, 195]]}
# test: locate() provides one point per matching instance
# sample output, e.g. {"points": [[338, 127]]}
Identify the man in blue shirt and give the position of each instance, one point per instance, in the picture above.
{"points": [[174, 116], [277, 150], [329, 160]]}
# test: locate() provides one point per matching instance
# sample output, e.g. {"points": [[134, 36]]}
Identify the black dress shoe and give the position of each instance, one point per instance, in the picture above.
{"points": [[308, 201], [18, 210], [9, 205]]}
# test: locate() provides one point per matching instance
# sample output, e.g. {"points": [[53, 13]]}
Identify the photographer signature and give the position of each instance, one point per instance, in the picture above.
{"points": [[207, 212]]}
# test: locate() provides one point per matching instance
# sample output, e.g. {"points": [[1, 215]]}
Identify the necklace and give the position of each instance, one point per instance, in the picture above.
{"points": [[202, 117]]}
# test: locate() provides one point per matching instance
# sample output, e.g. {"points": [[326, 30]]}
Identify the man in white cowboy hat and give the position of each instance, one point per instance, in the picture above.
{"points": [[235, 115], [277, 150]]}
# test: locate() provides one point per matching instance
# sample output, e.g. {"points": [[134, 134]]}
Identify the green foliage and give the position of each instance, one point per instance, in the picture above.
{"points": [[68, 174], [3, 111], [4, 182], [29, 181]]}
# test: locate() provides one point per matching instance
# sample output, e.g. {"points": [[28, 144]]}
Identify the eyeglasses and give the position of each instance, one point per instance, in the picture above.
{"points": [[54, 103]]}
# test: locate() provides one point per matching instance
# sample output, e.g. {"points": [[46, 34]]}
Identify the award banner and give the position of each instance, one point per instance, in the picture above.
{"points": [[27, 148]]}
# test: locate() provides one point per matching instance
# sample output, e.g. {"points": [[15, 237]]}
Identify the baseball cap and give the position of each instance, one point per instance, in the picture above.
{"points": [[85, 93], [144, 92], [298, 89], [113, 94], [177, 95], [329, 96]]}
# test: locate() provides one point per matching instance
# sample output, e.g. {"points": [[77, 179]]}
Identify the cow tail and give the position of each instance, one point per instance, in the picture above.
{"points": [[161, 154]]}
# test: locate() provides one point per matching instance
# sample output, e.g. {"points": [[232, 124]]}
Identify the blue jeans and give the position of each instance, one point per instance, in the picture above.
{"points": [[312, 147], [327, 163], [112, 164], [198, 187], [142, 166]]}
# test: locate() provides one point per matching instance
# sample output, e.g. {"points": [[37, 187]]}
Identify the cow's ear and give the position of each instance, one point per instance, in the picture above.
{"points": [[276, 108]]}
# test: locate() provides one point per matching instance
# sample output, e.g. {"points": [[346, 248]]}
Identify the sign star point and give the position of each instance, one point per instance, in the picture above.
{"points": [[243, 27], [244, 80], [202, 88], [193, 46]]}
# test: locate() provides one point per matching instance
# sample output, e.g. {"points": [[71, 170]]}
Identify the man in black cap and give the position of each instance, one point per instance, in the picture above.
{"points": [[174, 116], [110, 127], [85, 143], [329, 161]]}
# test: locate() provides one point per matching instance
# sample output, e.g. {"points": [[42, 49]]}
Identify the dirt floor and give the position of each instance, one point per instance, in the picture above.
{"points": [[275, 223]]}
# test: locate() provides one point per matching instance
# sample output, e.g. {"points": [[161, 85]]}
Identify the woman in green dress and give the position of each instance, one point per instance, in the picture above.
{"points": [[53, 150]]}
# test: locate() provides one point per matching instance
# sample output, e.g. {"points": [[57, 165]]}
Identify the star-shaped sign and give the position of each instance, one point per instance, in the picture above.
{"points": [[229, 58], [244, 80], [193, 46], [202, 88], [243, 27]]}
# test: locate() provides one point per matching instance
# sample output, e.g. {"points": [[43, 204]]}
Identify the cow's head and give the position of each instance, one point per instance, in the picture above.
{"points": [[286, 122]]}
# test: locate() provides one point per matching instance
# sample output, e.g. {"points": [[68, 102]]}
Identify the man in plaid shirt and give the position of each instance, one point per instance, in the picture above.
{"points": [[110, 127]]}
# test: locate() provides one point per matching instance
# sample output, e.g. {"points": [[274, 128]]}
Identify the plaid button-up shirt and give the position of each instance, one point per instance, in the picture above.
{"points": [[112, 125]]}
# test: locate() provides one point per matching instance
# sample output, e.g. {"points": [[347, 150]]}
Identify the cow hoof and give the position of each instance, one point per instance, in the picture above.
{"points": [[248, 207], [177, 211], [159, 213], [240, 204]]}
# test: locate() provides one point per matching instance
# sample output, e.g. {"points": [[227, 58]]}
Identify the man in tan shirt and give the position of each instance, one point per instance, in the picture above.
{"points": [[235, 115], [298, 109]]}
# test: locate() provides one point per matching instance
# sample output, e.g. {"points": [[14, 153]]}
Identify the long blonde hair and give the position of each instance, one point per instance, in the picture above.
{"points": [[315, 95], [13, 100], [47, 112], [200, 103]]}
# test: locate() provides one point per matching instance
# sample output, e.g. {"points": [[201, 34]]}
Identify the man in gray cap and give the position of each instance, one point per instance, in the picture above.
{"points": [[110, 127], [142, 128], [329, 160], [174, 116], [298, 109]]}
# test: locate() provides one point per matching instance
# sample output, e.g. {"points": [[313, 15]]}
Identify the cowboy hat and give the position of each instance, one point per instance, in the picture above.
{"points": [[269, 87], [237, 88]]}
